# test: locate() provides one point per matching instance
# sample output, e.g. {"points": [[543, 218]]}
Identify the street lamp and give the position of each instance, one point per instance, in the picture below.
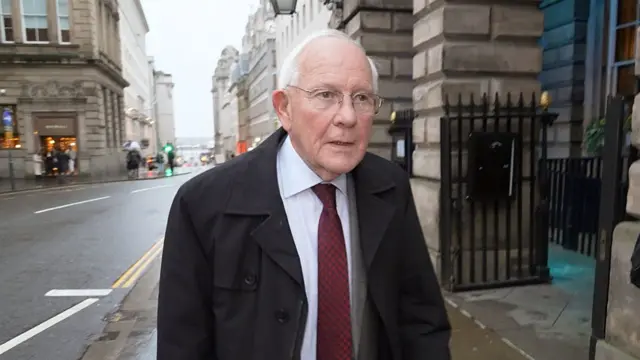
{"points": [[284, 7]]}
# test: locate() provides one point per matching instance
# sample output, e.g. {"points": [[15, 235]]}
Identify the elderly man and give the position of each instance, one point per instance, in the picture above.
{"points": [[307, 247]]}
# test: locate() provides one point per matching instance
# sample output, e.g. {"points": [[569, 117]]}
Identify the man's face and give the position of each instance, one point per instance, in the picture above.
{"points": [[327, 113]]}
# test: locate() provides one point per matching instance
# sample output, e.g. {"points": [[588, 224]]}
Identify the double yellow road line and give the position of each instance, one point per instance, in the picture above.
{"points": [[136, 270]]}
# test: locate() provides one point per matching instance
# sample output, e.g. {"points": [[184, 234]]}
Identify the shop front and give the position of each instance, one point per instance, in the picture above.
{"points": [[57, 133]]}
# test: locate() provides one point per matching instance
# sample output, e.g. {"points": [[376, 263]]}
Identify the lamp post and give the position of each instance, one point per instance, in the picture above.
{"points": [[288, 7], [284, 7]]}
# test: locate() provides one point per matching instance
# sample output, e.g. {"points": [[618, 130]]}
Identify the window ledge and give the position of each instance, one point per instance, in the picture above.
{"points": [[38, 52]]}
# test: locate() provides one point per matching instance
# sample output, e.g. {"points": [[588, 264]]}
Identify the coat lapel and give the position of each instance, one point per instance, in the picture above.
{"points": [[256, 194], [374, 213]]}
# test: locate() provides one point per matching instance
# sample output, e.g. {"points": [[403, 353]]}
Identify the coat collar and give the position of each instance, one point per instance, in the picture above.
{"points": [[256, 193]]}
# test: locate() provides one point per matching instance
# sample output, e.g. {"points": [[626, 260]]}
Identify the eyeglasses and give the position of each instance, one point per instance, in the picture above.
{"points": [[323, 99]]}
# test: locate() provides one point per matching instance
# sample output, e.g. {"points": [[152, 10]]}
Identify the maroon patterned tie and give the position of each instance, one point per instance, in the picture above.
{"points": [[334, 309]]}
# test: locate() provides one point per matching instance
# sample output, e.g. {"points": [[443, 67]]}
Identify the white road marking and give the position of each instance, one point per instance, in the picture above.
{"points": [[45, 325], [451, 303], [514, 347], [151, 188], [72, 204], [79, 292]]}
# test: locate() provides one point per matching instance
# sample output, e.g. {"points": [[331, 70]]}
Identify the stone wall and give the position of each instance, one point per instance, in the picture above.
{"points": [[622, 337], [384, 29], [470, 49], [622, 340]]}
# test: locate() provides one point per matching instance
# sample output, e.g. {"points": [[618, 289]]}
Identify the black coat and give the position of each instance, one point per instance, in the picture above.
{"points": [[231, 283]]}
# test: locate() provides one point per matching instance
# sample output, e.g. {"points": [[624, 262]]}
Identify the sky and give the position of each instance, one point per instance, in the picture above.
{"points": [[186, 38]]}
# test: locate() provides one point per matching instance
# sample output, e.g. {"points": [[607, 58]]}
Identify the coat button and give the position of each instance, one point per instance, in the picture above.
{"points": [[282, 316], [250, 279]]}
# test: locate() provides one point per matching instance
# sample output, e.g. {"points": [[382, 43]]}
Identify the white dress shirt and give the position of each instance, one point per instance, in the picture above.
{"points": [[303, 209]]}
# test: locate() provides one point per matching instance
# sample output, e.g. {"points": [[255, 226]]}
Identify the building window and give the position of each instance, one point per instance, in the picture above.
{"points": [[63, 21], [297, 25], [10, 136], [625, 20], [310, 10], [6, 21], [34, 15]]}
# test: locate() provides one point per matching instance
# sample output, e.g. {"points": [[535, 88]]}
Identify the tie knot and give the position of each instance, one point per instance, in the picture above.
{"points": [[327, 195]]}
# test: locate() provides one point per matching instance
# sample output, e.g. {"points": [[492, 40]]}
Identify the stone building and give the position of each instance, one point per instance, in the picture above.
{"points": [[310, 16], [259, 44], [137, 70], [220, 82], [229, 114], [61, 81], [164, 115]]}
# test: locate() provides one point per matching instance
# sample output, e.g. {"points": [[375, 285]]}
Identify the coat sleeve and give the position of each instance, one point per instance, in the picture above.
{"points": [[424, 325], [185, 318]]}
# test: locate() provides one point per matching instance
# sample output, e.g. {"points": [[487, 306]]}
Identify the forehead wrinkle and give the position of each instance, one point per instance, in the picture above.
{"points": [[318, 64]]}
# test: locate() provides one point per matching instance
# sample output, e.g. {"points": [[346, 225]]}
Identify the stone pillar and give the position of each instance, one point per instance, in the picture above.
{"points": [[623, 305], [384, 29], [16, 8], [52, 22], [465, 48], [121, 121], [108, 113]]}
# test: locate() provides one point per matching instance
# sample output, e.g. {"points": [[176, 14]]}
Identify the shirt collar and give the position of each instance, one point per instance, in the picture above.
{"points": [[296, 174]]}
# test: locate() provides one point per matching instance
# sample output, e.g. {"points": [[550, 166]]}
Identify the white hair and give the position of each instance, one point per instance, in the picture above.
{"points": [[288, 74]]}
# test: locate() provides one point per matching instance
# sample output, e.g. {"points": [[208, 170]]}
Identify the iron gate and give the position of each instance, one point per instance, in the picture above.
{"points": [[574, 197], [493, 194]]}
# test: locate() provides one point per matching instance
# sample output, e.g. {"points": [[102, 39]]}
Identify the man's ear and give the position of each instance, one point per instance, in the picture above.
{"points": [[280, 101]]}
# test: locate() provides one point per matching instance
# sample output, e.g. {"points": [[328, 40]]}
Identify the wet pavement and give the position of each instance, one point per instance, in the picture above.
{"points": [[131, 331], [58, 242], [548, 322], [62, 181]]}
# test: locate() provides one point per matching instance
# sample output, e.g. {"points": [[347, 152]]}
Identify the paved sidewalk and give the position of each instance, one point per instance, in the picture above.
{"points": [[61, 181], [548, 322], [131, 331]]}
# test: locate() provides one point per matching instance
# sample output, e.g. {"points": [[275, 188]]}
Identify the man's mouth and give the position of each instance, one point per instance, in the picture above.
{"points": [[341, 143]]}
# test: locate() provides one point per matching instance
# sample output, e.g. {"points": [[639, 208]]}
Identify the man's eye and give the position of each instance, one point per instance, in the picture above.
{"points": [[361, 98], [325, 95]]}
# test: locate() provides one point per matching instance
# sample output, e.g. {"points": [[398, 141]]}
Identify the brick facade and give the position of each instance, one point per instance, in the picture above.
{"points": [[81, 81]]}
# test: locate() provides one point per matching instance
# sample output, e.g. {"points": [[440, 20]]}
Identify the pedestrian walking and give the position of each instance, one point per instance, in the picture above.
{"points": [[37, 165], [306, 247], [133, 160], [72, 161]]}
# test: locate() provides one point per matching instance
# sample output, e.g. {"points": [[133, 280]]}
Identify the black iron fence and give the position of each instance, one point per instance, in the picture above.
{"points": [[494, 207], [574, 193]]}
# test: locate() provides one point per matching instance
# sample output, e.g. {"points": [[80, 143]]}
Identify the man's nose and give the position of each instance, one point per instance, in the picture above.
{"points": [[346, 115]]}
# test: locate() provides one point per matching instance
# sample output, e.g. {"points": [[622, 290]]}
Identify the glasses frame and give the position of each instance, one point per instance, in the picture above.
{"points": [[378, 100]]}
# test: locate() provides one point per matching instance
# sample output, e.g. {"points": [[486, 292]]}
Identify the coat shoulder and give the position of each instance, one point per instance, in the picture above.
{"points": [[383, 167], [214, 183]]}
